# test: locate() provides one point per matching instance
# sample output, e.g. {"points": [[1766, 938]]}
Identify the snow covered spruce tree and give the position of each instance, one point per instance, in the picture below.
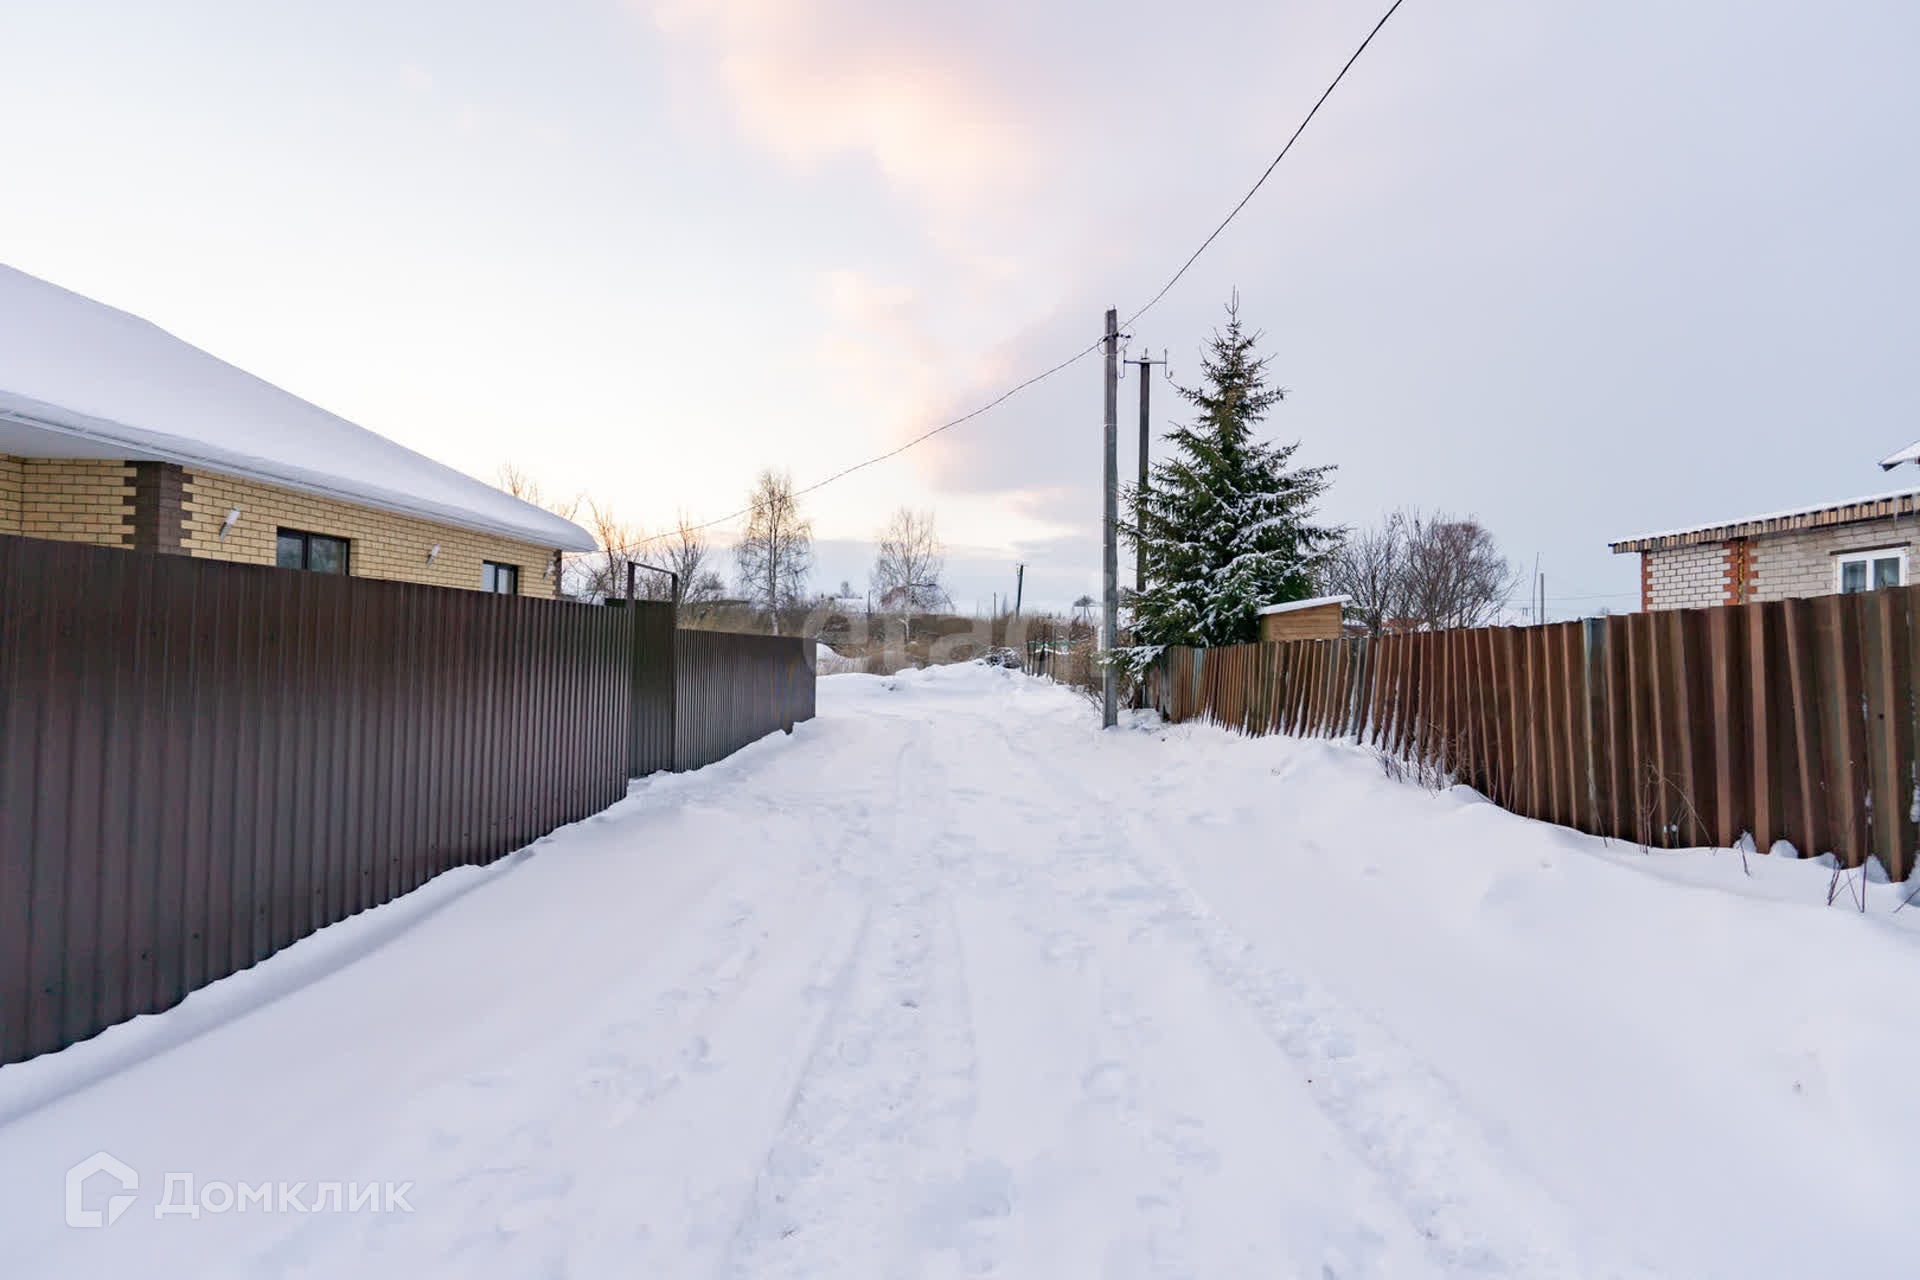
{"points": [[1228, 525]]}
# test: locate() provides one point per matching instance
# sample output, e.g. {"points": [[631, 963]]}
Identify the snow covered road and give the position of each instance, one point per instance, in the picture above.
{"points": [[951, 984]]}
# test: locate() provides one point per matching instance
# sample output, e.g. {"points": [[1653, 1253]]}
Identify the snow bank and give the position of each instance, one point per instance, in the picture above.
{"points": [[828, 663]]}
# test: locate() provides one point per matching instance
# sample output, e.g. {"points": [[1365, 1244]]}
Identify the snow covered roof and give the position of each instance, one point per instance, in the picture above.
{"points": [[1314, 603], [1909, 454], [79, 379], [1875, 506]]}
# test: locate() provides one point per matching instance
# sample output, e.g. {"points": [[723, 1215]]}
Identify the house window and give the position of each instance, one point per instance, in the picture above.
{"points": [[500, 579], [314, 552], [1871, 570]]}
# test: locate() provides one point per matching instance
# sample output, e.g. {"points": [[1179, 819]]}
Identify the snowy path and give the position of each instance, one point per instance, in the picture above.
{"points": [[950, 985]]}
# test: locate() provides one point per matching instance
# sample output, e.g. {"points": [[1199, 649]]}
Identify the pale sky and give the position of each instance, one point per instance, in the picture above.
{"points": [[1580, 271]]}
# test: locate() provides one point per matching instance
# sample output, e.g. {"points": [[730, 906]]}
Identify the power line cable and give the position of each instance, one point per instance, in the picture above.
{"points": [[1084, 352], [1312, 112], [1004, 396]]}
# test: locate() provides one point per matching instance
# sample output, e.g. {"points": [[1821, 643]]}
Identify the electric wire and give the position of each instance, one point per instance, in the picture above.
{"points": [[1251, 191], [1086, 351]]}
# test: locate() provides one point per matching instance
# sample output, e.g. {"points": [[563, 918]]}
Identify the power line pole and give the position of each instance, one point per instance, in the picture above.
{"points": [[1110, 547], [1146, 364], [1019, 587]]}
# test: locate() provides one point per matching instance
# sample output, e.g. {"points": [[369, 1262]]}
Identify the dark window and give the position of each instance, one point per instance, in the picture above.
{"points": [[500, 579], [315, 552]]}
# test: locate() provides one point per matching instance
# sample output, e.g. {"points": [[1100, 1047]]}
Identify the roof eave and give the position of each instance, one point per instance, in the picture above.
{"points": [[561, 534], [1835, 515]]}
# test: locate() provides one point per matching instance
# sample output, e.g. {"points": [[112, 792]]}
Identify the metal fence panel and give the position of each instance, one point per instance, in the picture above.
{"points": [[1797, 720], [732, 689], [654, 694], [201, 762]]}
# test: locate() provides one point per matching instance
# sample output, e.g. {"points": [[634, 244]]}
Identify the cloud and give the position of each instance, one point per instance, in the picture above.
{"points": [[1047, 185], [812, 81], [416, 80]]}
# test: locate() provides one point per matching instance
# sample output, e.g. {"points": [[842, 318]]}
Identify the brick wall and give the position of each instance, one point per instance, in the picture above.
{"points": [[1319, 623], [383, 545], [77, 500], [12, 486], [1756, 570], [1801, 564], [1685, 577]]}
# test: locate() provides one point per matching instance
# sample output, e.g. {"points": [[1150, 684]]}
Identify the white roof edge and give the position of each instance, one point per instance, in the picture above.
{"points": [[1314, 603], [1771, 515], [1909, 454], [545, 529], [78, 373]]}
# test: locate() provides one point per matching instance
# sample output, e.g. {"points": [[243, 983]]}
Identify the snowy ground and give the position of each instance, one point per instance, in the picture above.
{"points": [[950, 984]]}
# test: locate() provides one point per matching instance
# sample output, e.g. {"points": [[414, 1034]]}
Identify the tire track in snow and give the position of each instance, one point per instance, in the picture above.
{"points": [[1476, 1213], [845, 1186], [642, 1074], [1164, 1124]]}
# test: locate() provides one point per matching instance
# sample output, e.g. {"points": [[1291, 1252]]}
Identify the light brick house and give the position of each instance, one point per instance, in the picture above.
{"points": [[1855, 545], [114, 432]]}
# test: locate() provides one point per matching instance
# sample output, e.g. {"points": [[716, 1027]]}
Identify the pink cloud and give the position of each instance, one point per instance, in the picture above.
{"points": [[899, 84]]}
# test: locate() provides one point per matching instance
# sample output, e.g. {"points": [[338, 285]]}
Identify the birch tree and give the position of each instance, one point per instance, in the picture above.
{"points": [[775, 555], [907, 565]]}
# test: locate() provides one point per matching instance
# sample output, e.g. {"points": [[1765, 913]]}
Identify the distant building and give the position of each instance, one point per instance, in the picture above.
{"points": [[1321, 618], [114, 432]]}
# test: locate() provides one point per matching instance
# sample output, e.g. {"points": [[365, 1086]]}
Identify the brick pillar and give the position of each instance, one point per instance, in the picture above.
{"points": [[1646, 581], [159, 512], [1738, 557]]}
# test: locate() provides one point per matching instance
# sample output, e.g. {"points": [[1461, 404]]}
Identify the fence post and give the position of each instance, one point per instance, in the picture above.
{"points": [[1593, 676]]}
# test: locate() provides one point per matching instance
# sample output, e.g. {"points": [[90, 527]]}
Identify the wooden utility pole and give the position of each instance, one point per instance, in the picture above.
{"points": [[1146, 364], [1110, 547], [1019, 587]]}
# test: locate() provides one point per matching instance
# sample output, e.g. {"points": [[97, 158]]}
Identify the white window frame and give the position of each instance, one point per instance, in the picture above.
{"points": [[1844, 558]]}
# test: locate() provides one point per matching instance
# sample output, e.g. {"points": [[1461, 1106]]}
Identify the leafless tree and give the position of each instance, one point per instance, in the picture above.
{"points": [[1370, 567], [516, 480], [602, 574], [687, 553], [907, 566], [775, 554], [1422, 570], [1455, 574]]}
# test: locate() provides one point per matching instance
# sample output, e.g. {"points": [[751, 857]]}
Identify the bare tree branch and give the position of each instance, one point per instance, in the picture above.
{"points": [[1421, 571], [907, 567], [775, 555], [517, 481]]}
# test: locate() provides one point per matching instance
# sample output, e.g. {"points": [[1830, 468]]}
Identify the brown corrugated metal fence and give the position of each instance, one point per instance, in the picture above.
{"points": [[733, 689], [202, 762], [1793, 720], [650, 727]]}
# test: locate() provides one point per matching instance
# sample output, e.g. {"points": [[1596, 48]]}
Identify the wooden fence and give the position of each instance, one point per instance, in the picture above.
{"points": [[202, 762], [1793, 720]]}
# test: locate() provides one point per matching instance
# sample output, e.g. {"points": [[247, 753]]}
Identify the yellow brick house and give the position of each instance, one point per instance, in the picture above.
{"points": [[114, 432]]}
